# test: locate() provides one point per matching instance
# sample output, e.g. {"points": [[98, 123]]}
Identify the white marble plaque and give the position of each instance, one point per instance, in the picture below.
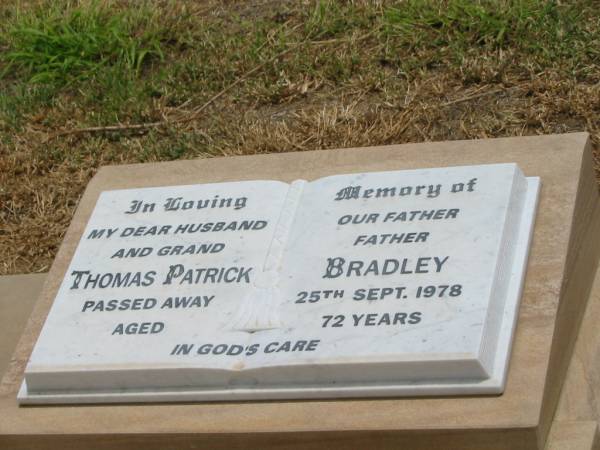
{"points": [[368, 284]]}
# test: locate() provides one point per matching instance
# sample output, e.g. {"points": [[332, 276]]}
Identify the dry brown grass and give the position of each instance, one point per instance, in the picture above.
{"points": [[296, 102]]}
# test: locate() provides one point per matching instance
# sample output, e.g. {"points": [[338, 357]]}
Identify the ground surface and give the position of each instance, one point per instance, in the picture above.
{"points": [[91, 83]]}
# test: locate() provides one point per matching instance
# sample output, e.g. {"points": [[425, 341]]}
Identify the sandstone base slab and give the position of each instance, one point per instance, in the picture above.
{"points": [[18, 294], [560, 272]]}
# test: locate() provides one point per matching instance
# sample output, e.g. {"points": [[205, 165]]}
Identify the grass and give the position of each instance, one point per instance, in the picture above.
{"points": [[545, 31], [292, 76], [61, 45], [55, 46]]}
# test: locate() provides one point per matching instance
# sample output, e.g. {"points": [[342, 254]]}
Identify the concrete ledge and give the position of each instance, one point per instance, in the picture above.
{"points": [[573, 436], [18, 294]]}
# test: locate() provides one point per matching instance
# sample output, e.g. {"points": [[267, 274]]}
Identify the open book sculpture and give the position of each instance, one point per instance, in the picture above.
{"points": [[366, 284]]}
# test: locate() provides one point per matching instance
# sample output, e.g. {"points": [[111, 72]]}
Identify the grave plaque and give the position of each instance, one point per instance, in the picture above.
{"points": [[399, 283]]}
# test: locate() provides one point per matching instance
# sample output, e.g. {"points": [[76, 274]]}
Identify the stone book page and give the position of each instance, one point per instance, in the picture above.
{"points": [[400, 275], [156, 269]]}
